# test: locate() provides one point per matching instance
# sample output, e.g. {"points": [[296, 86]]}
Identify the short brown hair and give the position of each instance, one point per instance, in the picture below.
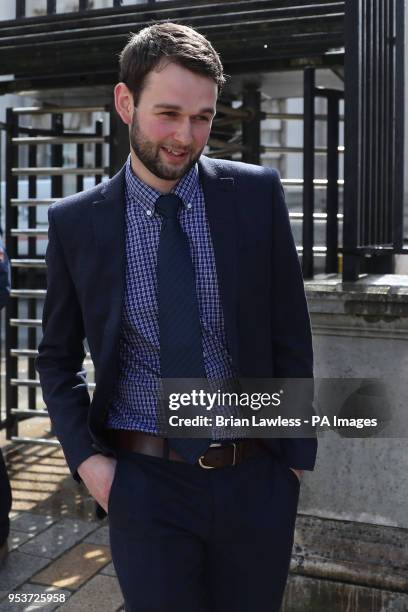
{"points": [[172, 42]]}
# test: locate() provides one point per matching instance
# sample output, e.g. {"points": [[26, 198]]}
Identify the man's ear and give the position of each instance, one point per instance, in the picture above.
{"points": [[124, 102]]}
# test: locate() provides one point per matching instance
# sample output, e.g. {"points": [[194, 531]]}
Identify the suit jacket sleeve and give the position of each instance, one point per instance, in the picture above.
{"points": [[61, 355], [291, 332]]}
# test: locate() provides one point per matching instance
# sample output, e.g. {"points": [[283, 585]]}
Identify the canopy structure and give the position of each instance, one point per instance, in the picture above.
{"points": [[81, 48]]}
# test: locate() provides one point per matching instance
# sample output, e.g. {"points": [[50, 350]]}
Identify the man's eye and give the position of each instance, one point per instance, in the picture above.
{"points": [[170, 114], [203, 118]]}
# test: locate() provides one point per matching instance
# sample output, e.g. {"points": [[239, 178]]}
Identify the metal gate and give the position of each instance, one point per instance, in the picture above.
{"points": [[51, 152]]}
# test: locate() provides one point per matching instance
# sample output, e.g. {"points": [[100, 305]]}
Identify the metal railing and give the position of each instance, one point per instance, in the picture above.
{"points": [[246, 142], [333, 97], [26, 235], [375, 103], [3, 412]]}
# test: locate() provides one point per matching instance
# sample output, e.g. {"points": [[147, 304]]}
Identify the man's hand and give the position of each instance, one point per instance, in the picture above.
{"points": [[97, 473], [299, 473]]}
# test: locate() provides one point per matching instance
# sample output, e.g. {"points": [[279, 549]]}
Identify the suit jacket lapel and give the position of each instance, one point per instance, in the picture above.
{"points": [[220, 202], [108, 217]]}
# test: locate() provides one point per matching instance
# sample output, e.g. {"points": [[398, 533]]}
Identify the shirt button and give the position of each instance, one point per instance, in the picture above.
{"points": [[188, 205], [148, 212]]}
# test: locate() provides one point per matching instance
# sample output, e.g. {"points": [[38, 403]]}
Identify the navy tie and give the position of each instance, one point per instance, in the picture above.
{"points": [[181, 352]]}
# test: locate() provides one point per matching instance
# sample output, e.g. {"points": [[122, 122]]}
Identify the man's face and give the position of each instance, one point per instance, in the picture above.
{"points": [[172, 122]]}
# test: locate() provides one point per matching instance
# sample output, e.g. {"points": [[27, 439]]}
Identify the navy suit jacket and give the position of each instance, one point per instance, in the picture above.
{"points": [[260, 281]]}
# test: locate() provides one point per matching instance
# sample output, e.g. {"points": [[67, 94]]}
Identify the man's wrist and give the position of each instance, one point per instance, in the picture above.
{"points": [[299, 473], [82, 467]]}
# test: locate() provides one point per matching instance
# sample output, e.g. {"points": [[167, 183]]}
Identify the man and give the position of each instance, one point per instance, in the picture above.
{"points": [[178, 267], [5, 489], [5, 507]]}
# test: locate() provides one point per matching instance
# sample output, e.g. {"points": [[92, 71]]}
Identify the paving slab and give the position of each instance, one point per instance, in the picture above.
{"points": [[38, 449], [75, 567], [58, 538], [33, 466], [54, 460], [27, 496], [43, 475], [18, 568], [99, 536], [17, 538], [109, 570], [51, 593], [30, 522], [42, 483], [100, 594], [30, 482]]}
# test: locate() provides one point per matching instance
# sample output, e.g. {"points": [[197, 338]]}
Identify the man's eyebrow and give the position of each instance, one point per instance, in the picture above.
{"points": [[175, 107]]}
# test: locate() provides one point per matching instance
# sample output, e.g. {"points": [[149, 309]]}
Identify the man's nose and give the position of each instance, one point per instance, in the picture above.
{"points": [[183, 134]]}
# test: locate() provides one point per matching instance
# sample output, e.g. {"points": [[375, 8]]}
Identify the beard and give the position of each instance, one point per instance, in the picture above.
{"points": [[148, 153]]}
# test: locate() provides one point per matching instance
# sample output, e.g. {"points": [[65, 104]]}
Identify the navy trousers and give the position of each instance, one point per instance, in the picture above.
{"points": [[187, 539], [5, 501]]}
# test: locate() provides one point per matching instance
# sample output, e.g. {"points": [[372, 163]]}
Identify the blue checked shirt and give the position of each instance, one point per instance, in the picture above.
{"points": [[135, 403]]}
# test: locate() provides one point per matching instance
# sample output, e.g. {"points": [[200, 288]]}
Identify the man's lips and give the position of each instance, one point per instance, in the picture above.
{"points": [[174, 154]]}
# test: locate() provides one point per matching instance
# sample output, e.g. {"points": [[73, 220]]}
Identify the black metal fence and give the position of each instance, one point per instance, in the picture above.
{"points": [[3, 415], [333, 97], [374, 85], [27, 200]]}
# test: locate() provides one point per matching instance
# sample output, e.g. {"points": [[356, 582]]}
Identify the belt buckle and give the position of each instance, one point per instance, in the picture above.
{"points": [[218, 445]]}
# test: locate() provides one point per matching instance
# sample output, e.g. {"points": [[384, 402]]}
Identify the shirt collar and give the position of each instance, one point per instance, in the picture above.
{"points": [[146, 196]]}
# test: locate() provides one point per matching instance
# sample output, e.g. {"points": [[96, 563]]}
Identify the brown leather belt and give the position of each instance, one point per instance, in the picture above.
{"points": [[218, 455]]}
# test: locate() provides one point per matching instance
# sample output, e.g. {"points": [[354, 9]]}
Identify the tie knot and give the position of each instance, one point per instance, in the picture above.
{"points": [[168, 205]]}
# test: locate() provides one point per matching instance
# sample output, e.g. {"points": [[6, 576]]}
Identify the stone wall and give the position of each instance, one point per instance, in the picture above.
{"points": [[361, 331], [351, 541]]}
